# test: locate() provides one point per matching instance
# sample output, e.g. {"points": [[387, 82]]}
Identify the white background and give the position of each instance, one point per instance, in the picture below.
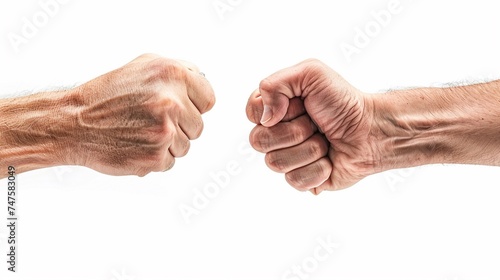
{"points": [[432, 222]]}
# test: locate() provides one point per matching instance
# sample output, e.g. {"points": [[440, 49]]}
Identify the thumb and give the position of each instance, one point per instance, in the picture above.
{"points": [[275, 105], [277, 90]]}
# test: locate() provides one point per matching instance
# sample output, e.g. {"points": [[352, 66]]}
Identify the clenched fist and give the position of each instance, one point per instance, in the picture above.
{"points": [[314, 127], [132, 121], [138, 118], [324, 134]]}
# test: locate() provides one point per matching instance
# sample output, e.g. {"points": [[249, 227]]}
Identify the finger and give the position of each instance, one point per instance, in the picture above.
{"points": [[200, 91], [277, 89], [198, 88], [168, 162], [310, 176], [327, 185], [255, 108], [337, 182], [282, 135], [180, 144], [288, 159], [190, 120], [165, 160]]}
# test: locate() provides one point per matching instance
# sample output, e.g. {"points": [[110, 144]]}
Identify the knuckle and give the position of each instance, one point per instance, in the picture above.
{"points": [[198, 129], [169, 134], [315, 149], [313, 63], [163, 135], [189, 65], [275, 162], [162, 114], [168, 131], [310, 177], [315, 66], [296, 134], [266, 84], [184, 148], [295, 180], [253, 138], [148, 56], [323, 170], [168, 164], [210, 102], [165, 69], [168, 107], [259, 139]]}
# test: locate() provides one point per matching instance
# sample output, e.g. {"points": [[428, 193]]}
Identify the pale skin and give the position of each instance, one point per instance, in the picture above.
{"points": [[132, 121], [325, 134]]}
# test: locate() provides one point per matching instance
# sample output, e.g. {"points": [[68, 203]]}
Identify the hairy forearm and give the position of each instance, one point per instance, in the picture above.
{"points": [[35, 130], [438, 125]]}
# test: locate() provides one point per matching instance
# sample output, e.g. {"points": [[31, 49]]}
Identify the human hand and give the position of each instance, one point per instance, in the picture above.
{"points": [[138, 118], [314, 127]]}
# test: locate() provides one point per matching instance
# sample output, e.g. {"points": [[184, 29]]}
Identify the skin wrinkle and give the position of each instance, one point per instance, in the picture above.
{"points": [[35, 128], [354, 124], [318, 85], [129, 132], [366, 134], [118, 154], [30, 135], [334, 134], [348, 121], [124, 122], [453, 121], [110, 106]]}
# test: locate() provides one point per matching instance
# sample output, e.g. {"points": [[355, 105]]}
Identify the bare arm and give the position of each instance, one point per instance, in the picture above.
{"points": [[341, 135], [131, 121], [439, 125], [35, 130]]}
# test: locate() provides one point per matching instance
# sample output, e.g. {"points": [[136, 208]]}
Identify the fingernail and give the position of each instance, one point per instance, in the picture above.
{"points": [[267, 115]]}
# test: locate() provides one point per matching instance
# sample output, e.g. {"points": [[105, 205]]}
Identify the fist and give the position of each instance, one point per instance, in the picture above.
{"points": [[314, 127], [140, 117]]}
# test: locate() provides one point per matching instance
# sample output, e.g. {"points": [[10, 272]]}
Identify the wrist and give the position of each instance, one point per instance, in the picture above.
{"points": [[35, 130], [410, 130]]}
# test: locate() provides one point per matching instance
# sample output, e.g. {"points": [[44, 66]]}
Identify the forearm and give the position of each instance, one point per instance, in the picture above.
{"points": [[438, 125], [35, 130]]}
